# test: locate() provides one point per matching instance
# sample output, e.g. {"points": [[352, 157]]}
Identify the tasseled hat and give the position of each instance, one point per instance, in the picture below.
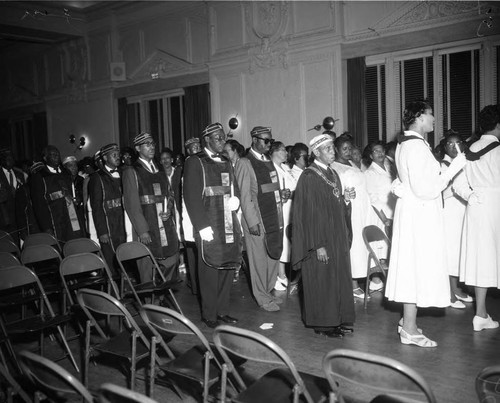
{"points": [[212, 128], [259, 130], [36, 167], [319, 140], [190, 141], [142, 138], [109, 148], [69, 158]]}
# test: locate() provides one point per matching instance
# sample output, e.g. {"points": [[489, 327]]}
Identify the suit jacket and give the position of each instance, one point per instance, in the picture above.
{"points": [[7, 199], [249, 188]]}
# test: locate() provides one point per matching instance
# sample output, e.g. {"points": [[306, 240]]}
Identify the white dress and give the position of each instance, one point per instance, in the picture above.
{"points": [[480, 257], [453, 214], [362, 214], [286, 182], [417, 267]]}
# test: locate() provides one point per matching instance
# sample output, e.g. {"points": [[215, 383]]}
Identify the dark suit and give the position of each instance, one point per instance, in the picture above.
{"points": [[8, 202]]}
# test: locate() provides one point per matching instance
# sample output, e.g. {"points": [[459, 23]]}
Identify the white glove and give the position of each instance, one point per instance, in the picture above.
{"points": [[474, 199], [455, 167], [397, 188], [207, 234], [233, 203]]}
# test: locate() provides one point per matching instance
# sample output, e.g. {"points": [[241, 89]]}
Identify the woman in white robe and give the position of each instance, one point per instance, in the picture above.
{"points": [[453, 214], [417, 267], [480, 258], [362, 213]]}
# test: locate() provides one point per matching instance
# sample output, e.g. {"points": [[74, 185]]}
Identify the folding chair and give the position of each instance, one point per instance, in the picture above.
{"points": [[134, 251], [81, 245], [41, 238], [372, 233], [488, 384], [195, 370], [283, 384], [51, 380], [8, 259], [109, 393], [6, 235], [131, 344], [12, 388], [360, 377], [20, 286], [6, 245]]}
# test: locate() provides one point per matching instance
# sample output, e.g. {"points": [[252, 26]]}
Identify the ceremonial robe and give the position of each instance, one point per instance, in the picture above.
{"points": [[320, 219]]}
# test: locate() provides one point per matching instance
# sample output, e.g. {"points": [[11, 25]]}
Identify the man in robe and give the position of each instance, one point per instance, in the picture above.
{"points": [[10, 181], [262, 217], [70, 165], [105, 191], [149, 203], [320, 244], [52, 199], [211, 200]]}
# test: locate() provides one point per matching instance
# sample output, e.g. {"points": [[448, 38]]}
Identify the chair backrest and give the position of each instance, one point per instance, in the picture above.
{"points": [[372, 233], [85, 263], [81, 245], [163, 321], [16, 388], [8, 259], [254, 347], [109, 393], [132, 250], [9, 246], [50, 378], [16, 276], [41, 238], [39, 253], [488, 385], [364, 376], [98, 302], [6, 235]]}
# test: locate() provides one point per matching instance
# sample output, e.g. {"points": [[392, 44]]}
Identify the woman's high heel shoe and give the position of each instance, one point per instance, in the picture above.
{"points": [[419, 339]]}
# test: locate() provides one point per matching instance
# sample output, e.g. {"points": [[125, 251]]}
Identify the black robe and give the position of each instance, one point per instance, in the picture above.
{"points": [[320, 219]]}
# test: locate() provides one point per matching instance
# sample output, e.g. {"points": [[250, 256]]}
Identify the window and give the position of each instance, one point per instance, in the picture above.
{"points": [[375, 103]]}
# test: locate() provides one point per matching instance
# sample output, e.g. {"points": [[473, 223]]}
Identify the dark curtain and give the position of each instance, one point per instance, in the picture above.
{"points": [[125, 141], [196, 109], [356, 100]]}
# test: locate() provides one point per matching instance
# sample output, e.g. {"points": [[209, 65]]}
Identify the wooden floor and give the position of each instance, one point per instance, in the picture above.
{"points": [[450, 369]]}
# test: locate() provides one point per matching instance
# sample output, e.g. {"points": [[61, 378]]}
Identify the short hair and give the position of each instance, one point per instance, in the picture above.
{"points": [[168, 151], [297, 150], [489, 117], [46, 149], [368, 150], [236, 147], [343, 138], [413, 110], [275, 146]]}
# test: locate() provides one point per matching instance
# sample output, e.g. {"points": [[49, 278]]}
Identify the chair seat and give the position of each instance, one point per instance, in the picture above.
{"points": [[120, 346], [35, 324], [150, 286], [190, 365], [277, 386], [88, 282]]}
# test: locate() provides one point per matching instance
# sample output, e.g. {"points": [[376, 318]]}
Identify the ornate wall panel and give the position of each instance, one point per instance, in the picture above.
{"points": [[313, 16], [100, 56]]}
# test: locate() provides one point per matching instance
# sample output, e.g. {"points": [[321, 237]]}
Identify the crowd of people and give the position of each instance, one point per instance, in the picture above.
{"points": [[298, 207]]}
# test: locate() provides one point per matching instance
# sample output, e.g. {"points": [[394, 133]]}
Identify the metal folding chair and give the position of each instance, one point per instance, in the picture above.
{"points": [[41, 238], [488, 384], [81, 245], [51, 380], [133, 251], [8, 259], [7, 245], [372, 233], [131, 344], [283, 384], [12, 388], [358, 376], [193, 371], [19, 286]]}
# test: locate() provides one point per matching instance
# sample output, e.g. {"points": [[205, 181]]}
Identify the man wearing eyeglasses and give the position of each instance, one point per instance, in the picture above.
{"points": [[262, 217], [149, 203], [211, 199]]}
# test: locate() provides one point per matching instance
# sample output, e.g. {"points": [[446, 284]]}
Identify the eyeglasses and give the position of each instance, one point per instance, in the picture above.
{"points": [[149, 144], [450, 143], [266, 141]]}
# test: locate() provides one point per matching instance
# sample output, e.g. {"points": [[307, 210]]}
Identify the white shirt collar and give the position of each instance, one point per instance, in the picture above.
{"points": [[259, 155], [210, 153], [148, 164], [53, 170], [319, 163]]}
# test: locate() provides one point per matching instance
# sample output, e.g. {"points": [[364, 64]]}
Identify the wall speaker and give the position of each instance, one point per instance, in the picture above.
{"points": [[117, 70]]}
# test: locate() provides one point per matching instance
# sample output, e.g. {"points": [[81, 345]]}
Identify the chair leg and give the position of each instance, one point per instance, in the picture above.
{"points": [[367, 289], [152, 367], [66, 346], [133, 361], [175, 301]]}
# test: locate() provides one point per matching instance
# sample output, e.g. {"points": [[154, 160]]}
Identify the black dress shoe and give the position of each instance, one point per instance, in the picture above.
{"points": [[210, 323], [334, 333], [227, 319], [346, 330]]}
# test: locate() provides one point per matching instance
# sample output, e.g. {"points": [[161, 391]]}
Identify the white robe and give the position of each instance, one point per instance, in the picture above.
{"points": [[480, 257], [362, 214], [417, 267], [453, 214]]}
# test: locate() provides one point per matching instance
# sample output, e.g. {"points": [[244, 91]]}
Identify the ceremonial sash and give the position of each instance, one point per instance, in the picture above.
{"points": [[474, 156]]}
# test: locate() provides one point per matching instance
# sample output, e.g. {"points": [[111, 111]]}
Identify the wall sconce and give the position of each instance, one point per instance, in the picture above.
{"points": [[72, 139], [233, 125], [82, 143]]}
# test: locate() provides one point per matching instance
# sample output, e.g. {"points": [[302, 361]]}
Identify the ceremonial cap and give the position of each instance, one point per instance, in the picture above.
{"points": [[142, 138], [319, 140], [212, 128], [97, 155], [36, 166], [69, 158], [259, 130], [109, 148], [190, 141]]}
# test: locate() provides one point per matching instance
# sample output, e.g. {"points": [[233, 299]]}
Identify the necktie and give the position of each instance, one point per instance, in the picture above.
{"points": [[263, 157], [11, 179], [152, 167]]}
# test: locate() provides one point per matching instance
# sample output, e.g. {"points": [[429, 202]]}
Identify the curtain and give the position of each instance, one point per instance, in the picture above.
{"points": [[196, 109], [124, 139], [356, 100]]}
